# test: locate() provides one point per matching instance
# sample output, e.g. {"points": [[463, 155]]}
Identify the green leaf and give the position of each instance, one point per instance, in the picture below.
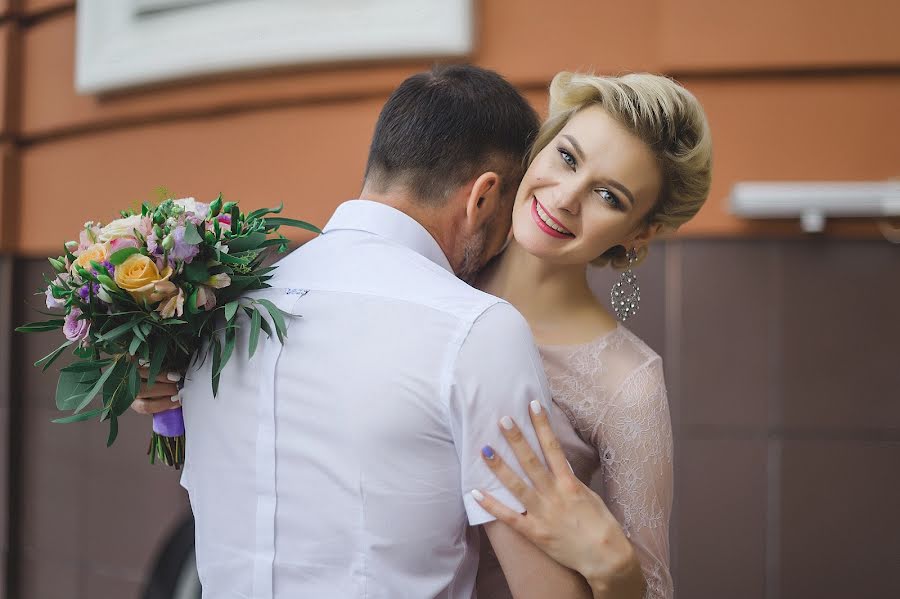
{"points": [[96, 388], [192, 235], [113, 430], [123, 394], [263, 211], [118, 331], [135, 344], [71, 387], [230, 337], [87, 366], [108, 283], [51, 357], [245, 243], [40, 327], [291, 222], [79, 417], [216, 361], [264, 324], [277, 318], [191, 302], [156, 362], [196, 272], [228, 259], [231, 309], [255, 321], [120, 256]]}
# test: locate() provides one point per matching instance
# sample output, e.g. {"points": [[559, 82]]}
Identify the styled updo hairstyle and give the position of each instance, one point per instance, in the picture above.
{"points": [[662, 114]]}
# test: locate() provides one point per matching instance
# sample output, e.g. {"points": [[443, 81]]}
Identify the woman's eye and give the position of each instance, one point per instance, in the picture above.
{"points": [[568, 158], [609, 198]]}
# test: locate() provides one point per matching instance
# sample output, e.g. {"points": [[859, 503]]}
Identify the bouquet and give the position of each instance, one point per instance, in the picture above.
{"points": [[151, 289]]}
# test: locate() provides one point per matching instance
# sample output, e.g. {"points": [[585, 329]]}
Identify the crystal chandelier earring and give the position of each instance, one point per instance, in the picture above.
{"points": [[626, 294]]}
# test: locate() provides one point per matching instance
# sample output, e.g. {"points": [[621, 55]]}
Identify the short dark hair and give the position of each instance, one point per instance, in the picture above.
{"points": [[443, 127]]}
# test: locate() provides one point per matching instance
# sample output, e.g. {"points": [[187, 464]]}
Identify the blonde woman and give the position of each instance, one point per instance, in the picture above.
{"points": [[619, 160]]}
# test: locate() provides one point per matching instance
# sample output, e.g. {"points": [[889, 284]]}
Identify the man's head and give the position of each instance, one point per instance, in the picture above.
{"points": [[450, 142]]}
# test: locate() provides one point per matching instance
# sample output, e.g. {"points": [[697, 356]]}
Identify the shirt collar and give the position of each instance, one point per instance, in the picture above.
{"points": [[390, 223]]}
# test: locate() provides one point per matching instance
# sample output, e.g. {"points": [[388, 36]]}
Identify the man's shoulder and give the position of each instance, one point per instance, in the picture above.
{"points": [[376, 269]]}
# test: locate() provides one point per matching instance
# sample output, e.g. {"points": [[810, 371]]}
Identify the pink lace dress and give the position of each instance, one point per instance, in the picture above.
{"points": [[612, 417]]}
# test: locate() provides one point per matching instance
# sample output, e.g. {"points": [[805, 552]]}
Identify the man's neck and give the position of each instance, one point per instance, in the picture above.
{"points": [[435, 221]]}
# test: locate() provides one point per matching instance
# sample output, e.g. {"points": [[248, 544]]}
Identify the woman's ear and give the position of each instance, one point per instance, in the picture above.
{"points": [[645, 235], [484, 201]]}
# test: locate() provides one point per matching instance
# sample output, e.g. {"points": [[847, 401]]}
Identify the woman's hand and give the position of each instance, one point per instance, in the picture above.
{"points": [[564, 517], [164, 394]]}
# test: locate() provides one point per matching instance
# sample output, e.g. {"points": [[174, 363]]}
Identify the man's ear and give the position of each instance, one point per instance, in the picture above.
{"points": [[484, 200]]}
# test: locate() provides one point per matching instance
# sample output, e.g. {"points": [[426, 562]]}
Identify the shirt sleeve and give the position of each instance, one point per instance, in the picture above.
{"points": [[635, 447], [497, 372]]}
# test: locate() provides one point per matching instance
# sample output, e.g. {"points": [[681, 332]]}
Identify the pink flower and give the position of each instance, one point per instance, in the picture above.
{"points": [[75, 329], [123, 242]]}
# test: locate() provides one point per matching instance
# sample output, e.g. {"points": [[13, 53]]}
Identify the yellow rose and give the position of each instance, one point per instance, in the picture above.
{"points": [[97, 252], [139, 276]]}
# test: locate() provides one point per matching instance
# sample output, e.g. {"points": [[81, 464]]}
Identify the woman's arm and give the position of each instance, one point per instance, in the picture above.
{"points": [[563, 517], [634, 442]]}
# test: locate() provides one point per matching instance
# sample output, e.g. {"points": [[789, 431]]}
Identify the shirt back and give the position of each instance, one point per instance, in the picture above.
{"points": [[339, 463]]}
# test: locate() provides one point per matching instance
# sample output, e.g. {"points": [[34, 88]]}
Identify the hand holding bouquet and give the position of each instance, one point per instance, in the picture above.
{"points": [[155, 287]]}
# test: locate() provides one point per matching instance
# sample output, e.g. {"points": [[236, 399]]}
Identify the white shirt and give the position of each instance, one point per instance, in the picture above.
{"points": [[339, 465]]}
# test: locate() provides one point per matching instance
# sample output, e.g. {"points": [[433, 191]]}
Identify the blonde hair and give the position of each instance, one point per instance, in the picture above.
{"points": [[662, 114]]}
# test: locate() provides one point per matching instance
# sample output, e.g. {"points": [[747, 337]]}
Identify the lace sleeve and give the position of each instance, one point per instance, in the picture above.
{"points": [[634, 441]]}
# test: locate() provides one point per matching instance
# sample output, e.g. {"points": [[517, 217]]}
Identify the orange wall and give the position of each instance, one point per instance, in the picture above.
{"points": [[795, 89]]}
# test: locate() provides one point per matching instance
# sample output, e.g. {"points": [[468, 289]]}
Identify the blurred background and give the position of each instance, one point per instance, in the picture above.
{"points": [[780, 345]]}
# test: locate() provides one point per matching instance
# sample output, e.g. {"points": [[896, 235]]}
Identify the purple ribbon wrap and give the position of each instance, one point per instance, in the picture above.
{"points": [[169, 423]]}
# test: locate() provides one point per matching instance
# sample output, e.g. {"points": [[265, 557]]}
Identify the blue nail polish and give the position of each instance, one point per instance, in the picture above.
{"points": [[487, 452]]}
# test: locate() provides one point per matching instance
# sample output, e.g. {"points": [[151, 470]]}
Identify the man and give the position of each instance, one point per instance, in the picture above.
{"points": [[340, 463]]}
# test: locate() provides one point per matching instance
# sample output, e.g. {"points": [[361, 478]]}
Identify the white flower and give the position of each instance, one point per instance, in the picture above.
{"points": [[123, 227], [192, 205]]}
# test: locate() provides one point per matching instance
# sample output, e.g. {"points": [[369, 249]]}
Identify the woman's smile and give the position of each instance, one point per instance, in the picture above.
{"points": [[546, 222]]}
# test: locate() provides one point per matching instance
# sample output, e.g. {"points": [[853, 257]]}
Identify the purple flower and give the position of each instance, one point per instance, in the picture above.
{"points": [[75, 329], [181, 251], [154, 244], [53, 302]]}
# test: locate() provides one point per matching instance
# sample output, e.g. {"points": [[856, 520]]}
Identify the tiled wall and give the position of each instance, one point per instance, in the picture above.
{"points": [[784, 381]]}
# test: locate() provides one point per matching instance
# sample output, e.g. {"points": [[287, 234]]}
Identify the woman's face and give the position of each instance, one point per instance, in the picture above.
{"points": [[587, 191]]}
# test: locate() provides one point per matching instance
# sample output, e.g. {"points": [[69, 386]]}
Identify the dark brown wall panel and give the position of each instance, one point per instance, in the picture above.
{"points": [[698, 35]]}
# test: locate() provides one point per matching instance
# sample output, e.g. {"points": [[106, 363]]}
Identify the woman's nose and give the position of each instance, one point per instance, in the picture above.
{"points": [[566, 198]]}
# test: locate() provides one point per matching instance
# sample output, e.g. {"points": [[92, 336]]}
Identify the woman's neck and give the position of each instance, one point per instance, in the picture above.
{"points": [[555, 299]]}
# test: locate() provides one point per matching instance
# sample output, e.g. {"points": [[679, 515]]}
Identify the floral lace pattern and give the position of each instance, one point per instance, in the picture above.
{"points": [[613, 393]]}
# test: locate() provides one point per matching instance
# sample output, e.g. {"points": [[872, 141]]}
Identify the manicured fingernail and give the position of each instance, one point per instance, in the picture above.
{"points": [[176, 397], [488, 452], [173, 376], [535, 407], [478, 495], [507, 423]]}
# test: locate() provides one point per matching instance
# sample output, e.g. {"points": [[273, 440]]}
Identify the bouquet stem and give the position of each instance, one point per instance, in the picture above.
{"points": [[167, 440]]}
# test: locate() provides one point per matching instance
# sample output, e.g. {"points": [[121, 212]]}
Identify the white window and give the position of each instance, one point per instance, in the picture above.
{"points": [[124, 43]]}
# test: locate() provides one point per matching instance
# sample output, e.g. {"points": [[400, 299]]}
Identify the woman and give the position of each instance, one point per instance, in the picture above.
{"points": [[619, 160]]}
